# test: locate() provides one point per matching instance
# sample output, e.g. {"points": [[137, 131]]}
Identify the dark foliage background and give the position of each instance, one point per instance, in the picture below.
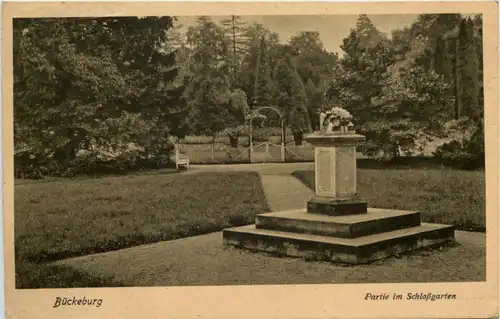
{"points": [[110, 94]]}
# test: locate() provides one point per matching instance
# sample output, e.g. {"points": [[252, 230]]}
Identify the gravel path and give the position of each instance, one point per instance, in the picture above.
{"points": [[285, 192], [204, 260], [261, 168]]}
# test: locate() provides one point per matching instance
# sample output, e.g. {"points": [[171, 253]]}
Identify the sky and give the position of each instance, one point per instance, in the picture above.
{"points": [[332, 28]]}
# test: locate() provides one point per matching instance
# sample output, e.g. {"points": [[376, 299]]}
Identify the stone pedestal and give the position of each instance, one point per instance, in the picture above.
{"points": [[337, 225], [335, 171]]}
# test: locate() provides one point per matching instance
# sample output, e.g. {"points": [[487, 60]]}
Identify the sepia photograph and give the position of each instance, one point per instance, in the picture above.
{"points": [[188, 150]]}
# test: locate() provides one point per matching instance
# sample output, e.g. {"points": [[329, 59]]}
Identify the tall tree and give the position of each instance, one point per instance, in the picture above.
{"points": [[80, 82], [256, 75], [175, 38], [450, 29], [313, 64], [478, 40], [239, 110], [235, 29], [290, 97], [314, 102], [209, 46], [360, 74], [442, 59], [306, 41], [298, 118], [208, 97], [468, 71], [410, 111], [262, 93], [282, 78]]}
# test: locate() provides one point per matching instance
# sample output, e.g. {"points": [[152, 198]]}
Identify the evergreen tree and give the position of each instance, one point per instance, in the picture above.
{"points": [[467, 149], [215, 102], [175, 38], [282, 79], [209, 47], [442, 59], [478, 40], [239, 111], [256, 75], [263, 77], [314, 102], [304, 42], [299, 117], [361, 72], [235, 30], [209, 100], [468, 72], [290, 97]]}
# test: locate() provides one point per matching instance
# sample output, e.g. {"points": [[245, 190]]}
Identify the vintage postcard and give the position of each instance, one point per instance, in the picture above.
{"points": [[250, 160]]}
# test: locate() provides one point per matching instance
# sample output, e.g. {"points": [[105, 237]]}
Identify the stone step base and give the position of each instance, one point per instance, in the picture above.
{"points": [[336, 206], [352, 226], [353, 251]]}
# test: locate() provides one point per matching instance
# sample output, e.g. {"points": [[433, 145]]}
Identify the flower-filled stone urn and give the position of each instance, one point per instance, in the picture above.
{"points": [[336, 121]]}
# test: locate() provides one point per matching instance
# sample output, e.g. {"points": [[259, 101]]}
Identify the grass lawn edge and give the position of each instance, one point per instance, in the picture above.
{"points": [[463, 220]]}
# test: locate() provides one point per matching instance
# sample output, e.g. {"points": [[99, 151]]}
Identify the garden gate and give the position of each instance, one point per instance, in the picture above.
{"points": [[266, 151]]}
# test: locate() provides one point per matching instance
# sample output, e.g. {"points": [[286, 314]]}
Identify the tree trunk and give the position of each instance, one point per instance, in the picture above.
{"points": [[233, 140], [213, 148], [285, 125], [308, 120], [235, 76], [256, 79], [456, 79], [298, 137], [397, 155]]}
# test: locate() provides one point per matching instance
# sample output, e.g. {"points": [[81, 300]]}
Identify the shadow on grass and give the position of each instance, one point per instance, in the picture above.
{"points": [[35, 271], [133, 240], [38, 276], [52, 179]]}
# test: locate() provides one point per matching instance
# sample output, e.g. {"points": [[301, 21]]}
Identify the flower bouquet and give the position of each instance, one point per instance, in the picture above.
{"points": [[336, 120]]}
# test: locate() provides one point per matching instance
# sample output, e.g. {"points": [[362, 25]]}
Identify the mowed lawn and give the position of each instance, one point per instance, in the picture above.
{"points": [[445, 196], [64, 218]]}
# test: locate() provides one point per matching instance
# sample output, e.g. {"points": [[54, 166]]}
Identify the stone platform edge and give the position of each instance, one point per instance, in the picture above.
{"points": [[374, 222], [336, 206], [351, 251]]}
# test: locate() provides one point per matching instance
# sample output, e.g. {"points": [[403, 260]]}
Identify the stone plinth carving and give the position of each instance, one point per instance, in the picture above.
{"points": [[335, 166]]}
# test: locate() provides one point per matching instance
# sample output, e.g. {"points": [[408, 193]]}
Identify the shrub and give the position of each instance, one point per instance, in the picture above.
{"points": [[464, 154], [91, 163]]}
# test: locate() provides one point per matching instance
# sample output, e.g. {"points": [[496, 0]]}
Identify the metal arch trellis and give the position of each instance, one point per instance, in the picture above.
{"points": [[255, 112], [257, 109]]}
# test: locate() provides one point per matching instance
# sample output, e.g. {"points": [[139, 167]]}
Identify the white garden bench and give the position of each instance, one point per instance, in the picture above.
{"points": [[181, 159]]}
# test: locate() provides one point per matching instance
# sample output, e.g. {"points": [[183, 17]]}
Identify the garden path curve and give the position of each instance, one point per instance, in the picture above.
{"points": [[282, 190]]}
